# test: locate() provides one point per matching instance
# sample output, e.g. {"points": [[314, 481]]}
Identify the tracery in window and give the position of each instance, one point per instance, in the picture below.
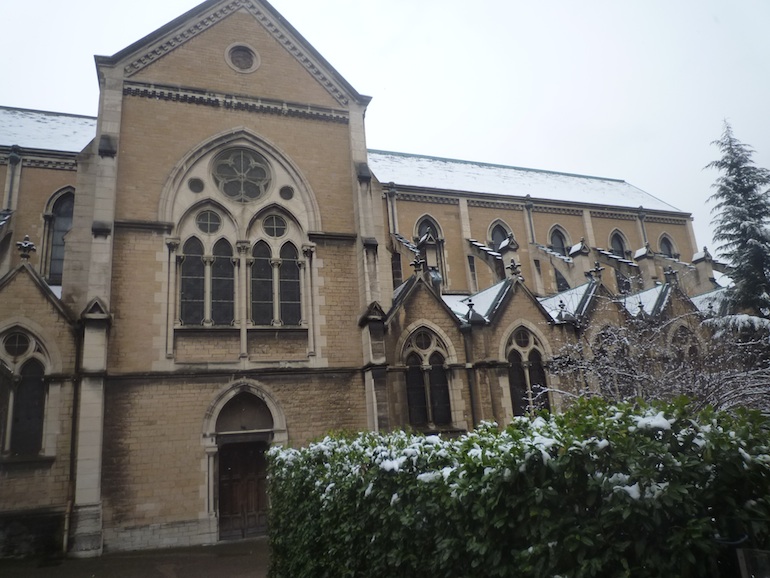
{"points": [[526, 373], [241, 174], [208, 221], [427, 384], [23, 393], [59, 225]]}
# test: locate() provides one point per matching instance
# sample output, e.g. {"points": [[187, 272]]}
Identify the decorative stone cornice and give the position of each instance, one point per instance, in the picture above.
{"points": [[233, 102], [495, 205], [665, 220], [50, 163], [167, 44], [437, 199], [614, 215], [557, 210]]}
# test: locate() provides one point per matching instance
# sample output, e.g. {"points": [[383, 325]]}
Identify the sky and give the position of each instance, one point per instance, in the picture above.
{"points": [[629, 89]]}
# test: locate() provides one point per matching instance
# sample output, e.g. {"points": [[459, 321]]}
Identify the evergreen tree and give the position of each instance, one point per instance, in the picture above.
{"points": [[742, 223]]}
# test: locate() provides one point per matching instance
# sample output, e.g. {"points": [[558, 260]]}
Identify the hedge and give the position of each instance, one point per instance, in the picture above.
{"points": [[600, 490]]}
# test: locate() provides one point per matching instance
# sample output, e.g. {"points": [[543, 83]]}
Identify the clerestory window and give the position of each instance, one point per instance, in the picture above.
{"points": [[59, 222]]}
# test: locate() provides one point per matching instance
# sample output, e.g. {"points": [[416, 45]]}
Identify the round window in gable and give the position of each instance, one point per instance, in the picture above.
{"points": [[208, 221], [287, 193], [242, 58], [241, 174], [274, 226], [16, 344]]}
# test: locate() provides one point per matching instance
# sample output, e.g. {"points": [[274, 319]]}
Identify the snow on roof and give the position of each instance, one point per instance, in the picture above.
{"points": [[484, 302], [474, 177], [650, 301], [35, 129], [711, 302], [572, 300]]}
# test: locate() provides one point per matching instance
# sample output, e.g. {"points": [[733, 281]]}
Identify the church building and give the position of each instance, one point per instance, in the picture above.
{"points": [[216, 263]]}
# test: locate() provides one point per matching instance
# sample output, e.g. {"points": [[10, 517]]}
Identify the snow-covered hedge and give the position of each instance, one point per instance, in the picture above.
{"points": [[600, 490]]}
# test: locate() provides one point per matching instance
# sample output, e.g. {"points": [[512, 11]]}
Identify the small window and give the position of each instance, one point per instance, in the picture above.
{"points": [[499, 234], [208, 221], [16, 344], [666, 247], [242, 58], [558, 242], [618, 246], [60, 225], [561, 282], [274, 226]]}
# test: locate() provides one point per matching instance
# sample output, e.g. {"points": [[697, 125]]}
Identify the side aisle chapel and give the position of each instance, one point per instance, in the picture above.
{"points": [[216, 263]]}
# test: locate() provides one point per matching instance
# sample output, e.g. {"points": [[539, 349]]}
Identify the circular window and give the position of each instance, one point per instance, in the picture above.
{"points": [[208, 221], [287, 193], [16, 344], [241, 174], [196, 185], [242, 58], [522, 338], [274, 225], [422, 340]]}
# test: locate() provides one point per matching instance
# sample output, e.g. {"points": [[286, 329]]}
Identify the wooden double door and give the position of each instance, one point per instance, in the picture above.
{"points": [[242, 490]]}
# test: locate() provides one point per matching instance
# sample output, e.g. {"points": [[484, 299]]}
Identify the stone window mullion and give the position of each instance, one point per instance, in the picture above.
{"points": [[276, 265], [208, 261]]}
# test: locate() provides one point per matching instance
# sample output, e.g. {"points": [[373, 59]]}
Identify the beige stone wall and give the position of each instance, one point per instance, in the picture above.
{"points": [[200, 62], [155, 466], [156, 136], [43, 483], [36, 186]]}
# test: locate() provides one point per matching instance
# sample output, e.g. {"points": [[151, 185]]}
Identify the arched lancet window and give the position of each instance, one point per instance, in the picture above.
{"points": [[222, 284], [193, 283], [666, 247], [60, 224], [261, 285], [289, 290], [526, 379], [425, 225], [618, 246], [559, 242], [498, 235], [427, 382], [28, 410]]}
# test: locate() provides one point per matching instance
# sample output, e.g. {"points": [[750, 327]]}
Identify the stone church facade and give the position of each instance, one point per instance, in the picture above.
{"points": [[216, 263]]}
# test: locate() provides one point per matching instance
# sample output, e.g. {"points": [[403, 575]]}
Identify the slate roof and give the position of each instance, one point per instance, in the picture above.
{"points": [[651, 301], [576, 302]]}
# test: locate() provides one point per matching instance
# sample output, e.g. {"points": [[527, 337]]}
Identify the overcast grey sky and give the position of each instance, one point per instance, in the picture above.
{"points": [[629, 89]]}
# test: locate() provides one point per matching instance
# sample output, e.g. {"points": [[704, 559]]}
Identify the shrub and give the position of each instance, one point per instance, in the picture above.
{"points": [[601, 490]]}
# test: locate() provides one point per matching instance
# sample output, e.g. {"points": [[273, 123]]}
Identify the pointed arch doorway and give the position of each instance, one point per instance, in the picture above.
{"points": [[244, 428]]}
